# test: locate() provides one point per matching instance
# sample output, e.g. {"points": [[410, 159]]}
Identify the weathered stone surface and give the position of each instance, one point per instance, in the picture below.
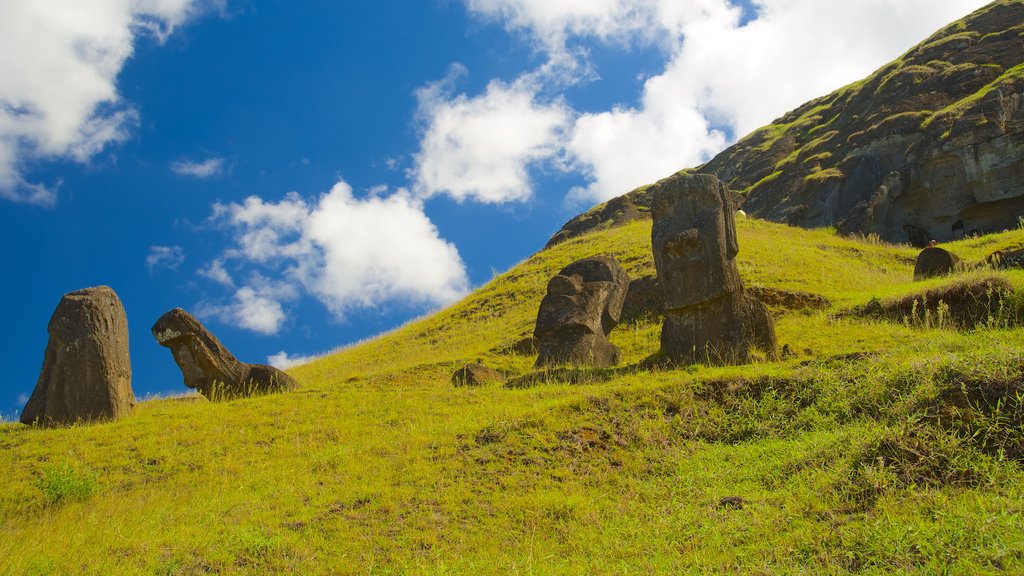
{"points": [[708, 317], [582, 305], [476, 374], [933, 262], [643, 299], [208, 366], [523, 347], [86, 374], [929, 147], [1004, 259]]}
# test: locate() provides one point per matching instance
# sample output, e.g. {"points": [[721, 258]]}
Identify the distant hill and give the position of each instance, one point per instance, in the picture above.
{"points": [[931, 146]]}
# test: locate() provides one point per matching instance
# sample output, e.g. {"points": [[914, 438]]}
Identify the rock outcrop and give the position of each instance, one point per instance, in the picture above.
{"points": [[1005, 259], [86, 374], [208, 366], [929, 147], [476, 374], [582, 305], [643, 300], [708, 317], [933, 262]]}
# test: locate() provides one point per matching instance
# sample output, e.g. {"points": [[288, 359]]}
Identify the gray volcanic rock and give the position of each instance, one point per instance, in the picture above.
{"points": [[934, 261], [1005, 259], [208, 366], [708, 317], [582, 305], [86, 374], [929, 147], [643, 299], [476, 374]]}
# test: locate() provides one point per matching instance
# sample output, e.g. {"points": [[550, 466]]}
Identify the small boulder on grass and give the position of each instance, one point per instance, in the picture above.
{"points": [[476, 374], [933, 262]]}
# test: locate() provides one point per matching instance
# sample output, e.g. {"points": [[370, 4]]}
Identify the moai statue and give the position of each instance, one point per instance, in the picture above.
{"points": [[87, 372], [708, 318], [583, 304], [208, 366]]}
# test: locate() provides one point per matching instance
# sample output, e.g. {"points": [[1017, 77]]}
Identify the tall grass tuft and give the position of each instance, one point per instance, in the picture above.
{"points": [[62, 482]]}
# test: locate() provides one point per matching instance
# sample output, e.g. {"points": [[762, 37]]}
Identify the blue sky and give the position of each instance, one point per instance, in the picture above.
{"points": [[302, 175]]}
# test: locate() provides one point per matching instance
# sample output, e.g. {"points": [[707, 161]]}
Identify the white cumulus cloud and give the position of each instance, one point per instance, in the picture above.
{"points": [[723, 77], [282, 360], [258, 306], [482, 147], [59, 61], [350, 253], [202, 169]]}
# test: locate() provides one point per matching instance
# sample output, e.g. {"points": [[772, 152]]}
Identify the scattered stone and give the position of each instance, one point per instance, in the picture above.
{"points": [[208, 366], [708, 317], [643, 300], [86, 374], [1005, 259], [582, 305], [933, 262], [476, 374], [735, 502], [525, 347]]}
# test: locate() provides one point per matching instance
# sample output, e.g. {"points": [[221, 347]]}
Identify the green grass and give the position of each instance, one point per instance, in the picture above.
{"points": [[875, 447]]}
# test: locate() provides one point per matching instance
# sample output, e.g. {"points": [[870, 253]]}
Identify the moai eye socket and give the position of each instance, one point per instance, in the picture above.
{"points": [[565, 285]]}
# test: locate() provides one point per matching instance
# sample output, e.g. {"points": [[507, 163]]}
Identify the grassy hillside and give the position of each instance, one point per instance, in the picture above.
{"points": [[873, 447]]}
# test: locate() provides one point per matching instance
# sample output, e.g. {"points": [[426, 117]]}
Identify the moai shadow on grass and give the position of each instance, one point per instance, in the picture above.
{"points": [[708, 317], [208, 366], [582, 305], [86, 374]]}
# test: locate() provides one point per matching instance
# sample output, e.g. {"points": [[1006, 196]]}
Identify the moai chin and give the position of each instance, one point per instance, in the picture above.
{"points": [[708, 317], [582, 305]]}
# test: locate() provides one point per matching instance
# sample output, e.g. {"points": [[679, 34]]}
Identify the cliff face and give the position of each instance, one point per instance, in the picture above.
{"points": [[931, 146]]}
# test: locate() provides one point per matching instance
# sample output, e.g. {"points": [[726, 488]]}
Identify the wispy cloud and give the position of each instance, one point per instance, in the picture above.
{"points": [[164, 258], [203, 169]]}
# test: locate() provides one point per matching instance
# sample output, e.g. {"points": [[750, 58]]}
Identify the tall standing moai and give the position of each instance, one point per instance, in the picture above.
{"points": [[87, 371], [708, 317], [582, 305]]}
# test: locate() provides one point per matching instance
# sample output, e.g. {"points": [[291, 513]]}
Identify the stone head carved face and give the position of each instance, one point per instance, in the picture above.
{"points": [[197, 352], [694, 240], [584, 297]]}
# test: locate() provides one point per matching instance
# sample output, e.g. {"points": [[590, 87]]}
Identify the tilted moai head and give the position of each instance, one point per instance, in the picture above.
{"points": [[582, 305], [208, 366], [203, 360], [694, 240]]}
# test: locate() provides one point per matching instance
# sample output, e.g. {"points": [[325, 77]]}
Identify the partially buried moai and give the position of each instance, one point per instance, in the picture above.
{"points": [[582, 305], [208, 366], [708, 318]]}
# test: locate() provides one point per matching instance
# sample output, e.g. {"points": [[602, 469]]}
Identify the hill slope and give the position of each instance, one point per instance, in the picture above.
{"points": [[929, 146], [876, 446]]}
